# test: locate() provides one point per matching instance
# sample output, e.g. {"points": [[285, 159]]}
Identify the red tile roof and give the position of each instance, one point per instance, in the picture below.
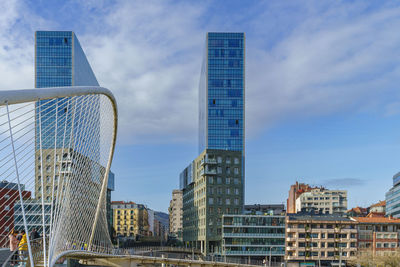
{"points": [[379, 204], [376, 220]]}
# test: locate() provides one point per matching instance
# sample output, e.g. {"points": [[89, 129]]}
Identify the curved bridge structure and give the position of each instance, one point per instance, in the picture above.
{"points": [[56, 149]]}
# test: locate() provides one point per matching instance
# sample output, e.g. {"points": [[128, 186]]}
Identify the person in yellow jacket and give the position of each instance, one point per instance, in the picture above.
{"points": [[23, 247]]}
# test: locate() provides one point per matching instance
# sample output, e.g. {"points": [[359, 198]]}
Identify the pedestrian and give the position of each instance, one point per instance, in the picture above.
{"points": [[34, 234], [23, 246], [13, 247]]}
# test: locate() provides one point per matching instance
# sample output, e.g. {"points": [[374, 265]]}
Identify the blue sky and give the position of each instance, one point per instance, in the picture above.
{"points": [[322, 87]]}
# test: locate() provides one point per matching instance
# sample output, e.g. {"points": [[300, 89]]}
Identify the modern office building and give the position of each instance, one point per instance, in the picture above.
{"points": [[33, 215], [322, 200], [9, 196], [59, 61], [176, 213], [213, 184], [216, 190], [393, 198], [257, 237], [378, 234], [130, 219], [320, 239], [221, 92]]}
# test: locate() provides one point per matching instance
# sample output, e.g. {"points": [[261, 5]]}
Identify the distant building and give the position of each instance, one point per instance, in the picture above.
{"points": [[379, 207], [130, 219], [9, 195], [315, 238], [393, 198], [380, 235], [357, 212], [254, 236], [216, 189], [161, 225], [323, 200], [295, 191], [176, 213], [265, 209]]}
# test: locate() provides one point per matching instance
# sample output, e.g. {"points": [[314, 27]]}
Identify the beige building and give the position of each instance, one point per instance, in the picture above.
{"points": [[176, 213], [322, 200], [212, 186], [130, 219], [319, 238]]}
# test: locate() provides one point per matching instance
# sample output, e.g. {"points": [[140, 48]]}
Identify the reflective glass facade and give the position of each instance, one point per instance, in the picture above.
{"points": [[59, 61], [221, 93], [393, 198]]}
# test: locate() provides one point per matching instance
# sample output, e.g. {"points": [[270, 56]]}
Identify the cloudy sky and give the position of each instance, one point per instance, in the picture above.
{"points": [[322, 87]]}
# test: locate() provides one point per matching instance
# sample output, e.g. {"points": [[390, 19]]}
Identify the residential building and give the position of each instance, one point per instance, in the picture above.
{"points": [[265, 209], [130, 219], [295, 191], [357, 212], [378, 234], [319, 238], [379, 207], [161, 225], [9, 195], [323, 201], [216, 190], [213, 184], [257, 237], [393, 198], [176, 213]]}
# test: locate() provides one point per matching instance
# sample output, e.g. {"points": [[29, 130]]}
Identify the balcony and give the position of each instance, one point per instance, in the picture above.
{"points": [[206, 171], [265, 235]]}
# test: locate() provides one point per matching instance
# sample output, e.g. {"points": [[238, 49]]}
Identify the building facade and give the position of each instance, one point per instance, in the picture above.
{"points": [[294, 192], [33, 215], [379, 235], [130, 219], [254, 236], [216, 190], [320, 238], [265, 209], [393, 198], [176, 213], [322, 200], [9, 196], [221, 92]]}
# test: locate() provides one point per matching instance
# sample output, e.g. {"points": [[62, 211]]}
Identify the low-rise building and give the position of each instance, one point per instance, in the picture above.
{"points": [[254, 236], [357, 212], [378, 234], [9, 195], [322, 200], [319, 238], [130, 219], [379, 207]]}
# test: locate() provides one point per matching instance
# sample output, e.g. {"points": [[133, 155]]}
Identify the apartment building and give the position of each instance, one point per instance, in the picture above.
{"points": [[322, 200], [254, 237], [319, 238], [378, 234], [294, 192], [176, 213], [216, 188], [130, 219]]}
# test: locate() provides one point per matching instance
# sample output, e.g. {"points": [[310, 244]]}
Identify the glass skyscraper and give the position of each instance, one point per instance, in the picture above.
{"points": [[221, 93], [59, 61]]}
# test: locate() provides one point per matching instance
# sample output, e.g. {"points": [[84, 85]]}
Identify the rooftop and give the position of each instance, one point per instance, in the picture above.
{"points": [[376, 220], [379, 204]]}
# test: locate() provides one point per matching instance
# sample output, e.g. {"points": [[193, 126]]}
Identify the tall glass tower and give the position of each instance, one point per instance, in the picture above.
{"points": [[221, 93]]}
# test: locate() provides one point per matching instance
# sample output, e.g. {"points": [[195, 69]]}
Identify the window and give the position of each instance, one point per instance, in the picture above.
{"points": [[236, 180], [236, 160], [211, 180], [219, 180], [47, 179], [228, 170], [48, 158], [6, 196], [228, 191], [6, 207], [228, 201], [211, 201], [48, 169], [219, 170], [228, 160], [236, 191], [228, 180], [236, 201], [236, 170], [219, 159]]}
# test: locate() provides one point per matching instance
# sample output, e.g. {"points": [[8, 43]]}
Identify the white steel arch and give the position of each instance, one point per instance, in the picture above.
{"points": [[56, 149]]}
